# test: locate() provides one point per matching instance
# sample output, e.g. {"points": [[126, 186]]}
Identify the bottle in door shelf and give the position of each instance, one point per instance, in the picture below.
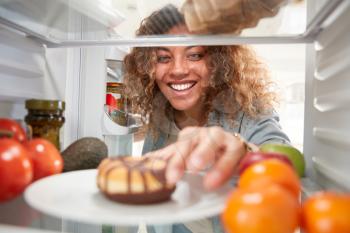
{"points": [[116, 103]]}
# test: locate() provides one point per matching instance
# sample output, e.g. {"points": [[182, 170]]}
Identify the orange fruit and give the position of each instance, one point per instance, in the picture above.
{"points": [[293, 154], [263, 208], [272, 170], [326, 212]]}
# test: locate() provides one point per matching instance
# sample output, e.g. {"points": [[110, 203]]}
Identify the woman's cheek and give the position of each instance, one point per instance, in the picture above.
{"points": [[160, 72], [202, 71]]}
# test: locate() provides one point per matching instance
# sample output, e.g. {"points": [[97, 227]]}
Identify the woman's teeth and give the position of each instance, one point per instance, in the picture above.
{"points": [[181, 87]]}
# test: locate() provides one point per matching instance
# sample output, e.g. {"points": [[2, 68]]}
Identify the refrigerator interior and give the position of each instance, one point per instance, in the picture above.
{"points": [[61, 49]]}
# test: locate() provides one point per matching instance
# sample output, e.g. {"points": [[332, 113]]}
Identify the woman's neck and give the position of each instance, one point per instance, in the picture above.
{"points": [[193, 117]]}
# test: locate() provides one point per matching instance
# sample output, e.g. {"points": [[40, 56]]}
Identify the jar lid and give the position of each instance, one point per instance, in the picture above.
{"points": [[114, 84], [37, 104]]}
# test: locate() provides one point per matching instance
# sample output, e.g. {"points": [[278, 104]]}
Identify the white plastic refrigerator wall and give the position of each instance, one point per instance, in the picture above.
{"points": [[77, 75], [327, 125]]}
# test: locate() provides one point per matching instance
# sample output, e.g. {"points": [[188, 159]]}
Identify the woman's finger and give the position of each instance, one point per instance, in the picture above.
{"points": [[176, 168], [164, 153], [183, 147], [176, 164], [208, 150], [224, 168], [188, 139]]}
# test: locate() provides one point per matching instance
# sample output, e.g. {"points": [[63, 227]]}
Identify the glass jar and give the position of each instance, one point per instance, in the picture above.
{"points": [[115, 95], [45, 118], [116, 102]]}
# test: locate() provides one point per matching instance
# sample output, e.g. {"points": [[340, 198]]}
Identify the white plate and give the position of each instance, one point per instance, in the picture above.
{"points": [[75, 196]]}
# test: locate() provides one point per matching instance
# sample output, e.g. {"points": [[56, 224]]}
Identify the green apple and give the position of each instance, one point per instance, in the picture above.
{"points": [[295, 156]]}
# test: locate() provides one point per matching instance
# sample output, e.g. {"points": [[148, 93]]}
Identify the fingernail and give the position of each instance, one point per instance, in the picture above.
{"points": [[172, 176], [212, 180], [196, 162]]}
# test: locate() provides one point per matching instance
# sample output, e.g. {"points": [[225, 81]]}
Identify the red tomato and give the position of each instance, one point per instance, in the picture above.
{"points": [[327, 212], [46, 159], [14, 127], [16, 170]]}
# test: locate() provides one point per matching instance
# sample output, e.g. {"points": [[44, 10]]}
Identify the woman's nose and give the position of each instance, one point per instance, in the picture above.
{"points": [[179, 67]]}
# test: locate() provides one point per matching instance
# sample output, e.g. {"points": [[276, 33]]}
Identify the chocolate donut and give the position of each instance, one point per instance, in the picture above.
{"points": [[134, 180]]}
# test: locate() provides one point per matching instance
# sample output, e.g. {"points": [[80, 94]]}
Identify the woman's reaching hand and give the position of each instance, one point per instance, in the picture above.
{"points": [[203, 149]]}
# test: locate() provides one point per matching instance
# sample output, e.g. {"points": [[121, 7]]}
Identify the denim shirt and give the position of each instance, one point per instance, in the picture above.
{"points": [[258, 131]]}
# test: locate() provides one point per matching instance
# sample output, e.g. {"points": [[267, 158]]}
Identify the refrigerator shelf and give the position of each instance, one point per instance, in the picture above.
{"points": [[332, 101], [55, 30], [332, 136], [19, 69], [111, 73], [309, 187], [21, 229], [341, 180]]}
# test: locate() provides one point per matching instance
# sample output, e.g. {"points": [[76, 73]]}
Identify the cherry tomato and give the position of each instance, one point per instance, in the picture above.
{"points": [[13, 127], [327, 212], [264, 208], [16, 170], [46, 159]]}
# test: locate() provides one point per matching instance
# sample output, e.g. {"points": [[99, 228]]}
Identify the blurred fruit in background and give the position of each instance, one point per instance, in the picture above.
{"points": [[265, 207], [23, 161], [294, 155], [253, 157], [45, 157], [272, 170], [326, 212], [11, 128], [16, 170], [84, 153]]}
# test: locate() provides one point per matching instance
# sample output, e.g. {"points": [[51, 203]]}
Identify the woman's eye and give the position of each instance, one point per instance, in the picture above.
{"points": [[163, 59], [195, 56]]}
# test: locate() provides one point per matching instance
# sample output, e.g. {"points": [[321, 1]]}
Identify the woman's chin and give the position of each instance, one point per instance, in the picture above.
{"points": [[182, 106]]}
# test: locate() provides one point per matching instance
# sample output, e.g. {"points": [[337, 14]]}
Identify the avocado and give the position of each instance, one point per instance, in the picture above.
{"points": [[85, 153]]}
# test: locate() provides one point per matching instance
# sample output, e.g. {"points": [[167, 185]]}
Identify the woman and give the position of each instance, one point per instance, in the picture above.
{"points": [[199, 99]]}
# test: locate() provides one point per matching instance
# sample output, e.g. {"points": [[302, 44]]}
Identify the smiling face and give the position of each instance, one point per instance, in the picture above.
{"points": [[182, 74]]}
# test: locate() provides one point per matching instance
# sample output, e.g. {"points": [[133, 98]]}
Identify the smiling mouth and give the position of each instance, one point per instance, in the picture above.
{"points": [[181, 86]]}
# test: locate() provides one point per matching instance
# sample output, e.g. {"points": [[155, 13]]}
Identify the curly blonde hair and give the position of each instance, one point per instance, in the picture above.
{"points": [[239, 82]]}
